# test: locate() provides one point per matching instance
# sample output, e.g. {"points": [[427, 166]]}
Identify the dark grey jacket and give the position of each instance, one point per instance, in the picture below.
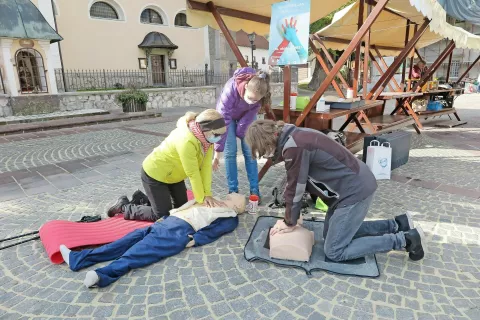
{"points": [[321, 166]]}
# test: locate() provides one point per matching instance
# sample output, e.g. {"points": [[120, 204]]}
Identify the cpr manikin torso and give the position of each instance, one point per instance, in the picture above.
{"points": [[296, 245], [199, 216]]}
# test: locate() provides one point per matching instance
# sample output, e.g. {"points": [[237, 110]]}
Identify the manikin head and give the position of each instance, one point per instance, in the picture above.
{"points": [[211, 123], [258, 88], [262, 137], [236, 202]]}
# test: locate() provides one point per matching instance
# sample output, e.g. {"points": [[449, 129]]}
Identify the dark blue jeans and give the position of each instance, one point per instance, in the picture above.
{"points": [[137, 249], [231, 161]]}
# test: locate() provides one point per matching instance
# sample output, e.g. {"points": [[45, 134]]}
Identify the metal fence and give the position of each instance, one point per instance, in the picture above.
{"points": [[90, 80]]}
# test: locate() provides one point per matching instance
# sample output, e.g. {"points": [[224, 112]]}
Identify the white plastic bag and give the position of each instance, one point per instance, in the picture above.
{"points": [[379, 159]]}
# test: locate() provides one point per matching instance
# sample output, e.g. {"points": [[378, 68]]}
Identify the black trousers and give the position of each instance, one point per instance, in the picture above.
{"points": [[162, 196]]}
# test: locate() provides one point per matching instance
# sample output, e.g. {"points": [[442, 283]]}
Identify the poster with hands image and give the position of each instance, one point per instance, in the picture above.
{"points": [[289, 33]]}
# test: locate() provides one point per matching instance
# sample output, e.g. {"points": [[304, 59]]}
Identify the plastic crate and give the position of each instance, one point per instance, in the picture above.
{"points": [[400, 143], [434, 106]]}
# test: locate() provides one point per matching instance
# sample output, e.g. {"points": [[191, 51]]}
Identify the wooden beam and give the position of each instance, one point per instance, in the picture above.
{"points": [[345, 41], [195, 5], [374, 3], [448, 67], [358, 52], [366, 56], [325, 68], [213, 9], [287, 88], [411, 61], [435, 65], [468, 70], [329, 58], [380, 71], [390, 72], [404, 65], [418, 54], [343, 58], [385, 65]]}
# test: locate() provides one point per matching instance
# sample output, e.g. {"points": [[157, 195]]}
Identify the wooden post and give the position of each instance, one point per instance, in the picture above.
{"points": [[448, 67], [431, 70], [287, 83], [365, 57], [468, 69], [411, 61], [330, 59], [385, 65], [325, 68], [358, 52], [380, 71], [213, 9], [404, 66], [343, 58], [380, 85]]}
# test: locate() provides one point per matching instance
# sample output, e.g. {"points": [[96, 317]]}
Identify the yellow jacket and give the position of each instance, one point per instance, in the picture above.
{"points": [[180, 156]]}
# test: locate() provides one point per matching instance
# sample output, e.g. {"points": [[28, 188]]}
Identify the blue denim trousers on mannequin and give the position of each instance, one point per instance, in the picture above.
{"points": [[230, 153]]}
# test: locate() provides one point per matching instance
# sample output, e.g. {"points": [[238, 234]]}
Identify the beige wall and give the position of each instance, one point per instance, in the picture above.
{"points": [[105, 44]]}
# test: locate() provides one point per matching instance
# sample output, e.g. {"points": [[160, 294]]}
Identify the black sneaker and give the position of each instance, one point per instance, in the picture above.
{"points": [[118, 206], [140, 199], [404, 222], [415, 240]]}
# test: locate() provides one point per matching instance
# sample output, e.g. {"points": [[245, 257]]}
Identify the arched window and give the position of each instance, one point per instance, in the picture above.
{"points": [[151, 16], [31, 71], [181, 20], [103, 10]]}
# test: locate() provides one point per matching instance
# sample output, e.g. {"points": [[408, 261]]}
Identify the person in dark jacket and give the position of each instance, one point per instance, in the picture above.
{"points": [[241, 99], [317, 164]]}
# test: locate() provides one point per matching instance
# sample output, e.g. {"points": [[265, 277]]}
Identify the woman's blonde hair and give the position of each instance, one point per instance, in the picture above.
{"points": [[262, 137], [207, 115], [261, 85]]}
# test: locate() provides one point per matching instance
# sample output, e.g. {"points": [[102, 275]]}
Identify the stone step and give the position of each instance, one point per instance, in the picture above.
{"points": [[52, 116], [113, 116]]}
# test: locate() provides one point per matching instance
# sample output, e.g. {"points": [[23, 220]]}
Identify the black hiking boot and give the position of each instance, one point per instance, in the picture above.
{"points": [[140, 199], [415, 240], [117, 208], [404, 222]]}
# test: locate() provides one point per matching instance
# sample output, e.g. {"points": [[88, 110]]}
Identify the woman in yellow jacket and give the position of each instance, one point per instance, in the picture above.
{"points": [[186, 152]]}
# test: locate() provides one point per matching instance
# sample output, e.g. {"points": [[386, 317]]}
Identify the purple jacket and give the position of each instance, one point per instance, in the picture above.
{"points": [[234, 108]]}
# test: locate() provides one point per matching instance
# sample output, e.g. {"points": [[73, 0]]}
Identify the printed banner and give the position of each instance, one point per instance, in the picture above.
{"points": [[289, 32]]}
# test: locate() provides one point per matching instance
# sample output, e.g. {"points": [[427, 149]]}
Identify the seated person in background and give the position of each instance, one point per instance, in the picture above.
{"points": [[191, 225], [418, 70]]}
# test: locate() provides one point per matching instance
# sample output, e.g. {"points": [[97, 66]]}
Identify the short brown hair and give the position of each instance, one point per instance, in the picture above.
{"points": [[260, 84], [262, 137]]}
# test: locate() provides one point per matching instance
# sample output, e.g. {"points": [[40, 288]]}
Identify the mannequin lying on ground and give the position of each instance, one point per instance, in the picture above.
{"points": [[296, 245], [191, 225]]}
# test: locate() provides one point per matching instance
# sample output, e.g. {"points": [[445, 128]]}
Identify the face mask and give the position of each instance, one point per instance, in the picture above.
{"points": [[214, 139], [249, 101]]}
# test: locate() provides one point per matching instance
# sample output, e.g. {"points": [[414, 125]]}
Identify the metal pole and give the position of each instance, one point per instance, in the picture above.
{"points": [[251, 45], [366, 53], [59, 47], [404, 65], [287, 75], [448, 67]]}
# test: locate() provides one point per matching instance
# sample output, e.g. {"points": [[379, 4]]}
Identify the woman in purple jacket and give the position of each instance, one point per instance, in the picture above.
{"points": [[241, 99]]}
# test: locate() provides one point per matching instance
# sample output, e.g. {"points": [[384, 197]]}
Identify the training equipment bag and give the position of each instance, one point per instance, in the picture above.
{"points": [[379, 159]]}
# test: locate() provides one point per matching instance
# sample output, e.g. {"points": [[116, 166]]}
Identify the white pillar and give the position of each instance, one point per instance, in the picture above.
{"points": [[49, 67], [9, 74]]}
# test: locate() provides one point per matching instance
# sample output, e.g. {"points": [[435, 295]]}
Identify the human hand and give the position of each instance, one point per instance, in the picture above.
{"points": [[290, 30], [216, 164], [211, 202], [281, 227]]}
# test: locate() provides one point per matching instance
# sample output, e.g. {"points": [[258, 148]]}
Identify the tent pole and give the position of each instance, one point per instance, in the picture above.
{"points": [[366, 52], [431, 70], [343, 58], [404, 65], [468, 69], [390, 72], [287, 88], [330, 59], [380, 71], [448, 67], [324, 66], [385, 65], [358, 52], [409, 87]]}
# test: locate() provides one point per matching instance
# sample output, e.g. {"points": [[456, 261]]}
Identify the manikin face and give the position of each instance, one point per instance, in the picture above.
{"points": [[251, 97], [236, 202]]}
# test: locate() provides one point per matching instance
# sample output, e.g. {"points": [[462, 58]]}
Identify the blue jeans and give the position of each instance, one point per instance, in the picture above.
{"points": [[231, 161], [348, 237], [137, 249]]}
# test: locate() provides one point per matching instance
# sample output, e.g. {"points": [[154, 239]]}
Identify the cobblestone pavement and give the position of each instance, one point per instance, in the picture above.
{"points": [[79, 172]]}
